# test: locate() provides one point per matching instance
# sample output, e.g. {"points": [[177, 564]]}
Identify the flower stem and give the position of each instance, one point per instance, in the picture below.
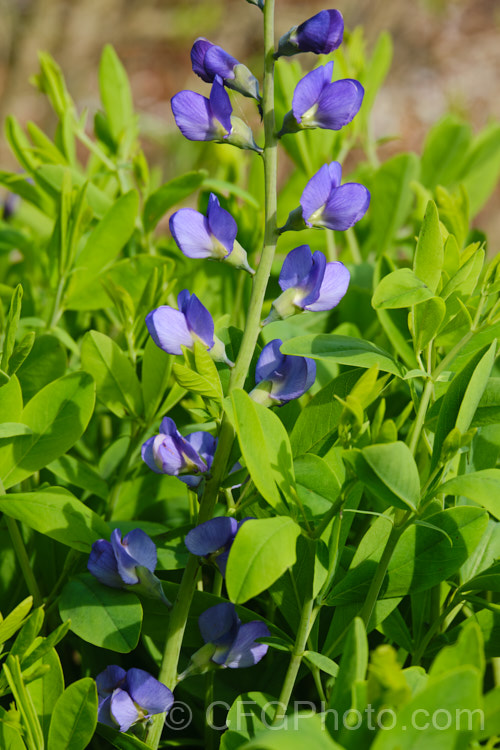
{"points": [[180, 610]]}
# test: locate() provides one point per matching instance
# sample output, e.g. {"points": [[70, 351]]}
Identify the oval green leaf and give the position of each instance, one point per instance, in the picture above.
{"points": [[75, 717]]}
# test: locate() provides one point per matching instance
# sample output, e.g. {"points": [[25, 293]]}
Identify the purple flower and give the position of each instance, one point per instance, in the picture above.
{"points": [[127, 563], [213, 539], [235, 644], [209, 60], [183, 457], [281, 377], [126, 697], [320, 34], [202, 119], [326, 203], [319, 103], [210, 236], [172, 329], [309, 283]]}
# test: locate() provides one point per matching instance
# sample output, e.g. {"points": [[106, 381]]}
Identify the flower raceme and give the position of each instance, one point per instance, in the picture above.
{"points": [[210, 236], [281, 377], [172, 329], [127, 697], [202, 119], [209, 60], [184, 457], [213, 539], [320, 34], [234, 644], [319, 103], [308, 283], [127, 563], [325, 203]]}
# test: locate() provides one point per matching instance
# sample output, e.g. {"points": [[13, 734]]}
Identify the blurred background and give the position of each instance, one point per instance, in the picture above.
{"points": [[446, 58]]}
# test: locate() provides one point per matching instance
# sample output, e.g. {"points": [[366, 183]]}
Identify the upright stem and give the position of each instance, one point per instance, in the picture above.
{"points": [[180, 610], [23, 559]]}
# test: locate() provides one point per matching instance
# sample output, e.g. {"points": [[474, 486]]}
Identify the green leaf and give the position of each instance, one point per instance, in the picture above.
{"points": [[155, 374], [117, 384], [169, 195], [76, 472], [11, 327], [262, 550], [10, 739], [400, 288], [50, 178], [11, 429], [445, 150], [106, 617], [75, 717], [317, 485], [390, 472], [120, 740], [58, 415], [45, 363], [58, 514], [481, 486], [307, 731], [479, 174], [427, 319], [32, 729], [352, 669], [342, 349], [266, 448], [391, 199], [475, 389], [45, 690], [322, 662], [15, 619], [429, 254], [205, 381], [116, 95], [11, 400]]}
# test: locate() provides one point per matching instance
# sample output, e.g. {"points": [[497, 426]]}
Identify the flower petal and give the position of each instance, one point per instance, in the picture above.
{"points": [[168, 427], [221, 223], [102, 564], [104, 713], [108, 680], [347, 205], [125, 562], [168, 329], [193, 116], [245, 652], [322, 33], [333, 287], [148, 455], [123, 710], [316, 192], [221, 104], [296, 267], [219, 624], [210, 536], [141, 548], [148, 692], [199, 320], [312, 283], [338, 103], [270, 361], [204, 444], [308, 91], [191, 232], [311, 372], [292, 381], [218, 62], [198, 52], [167, 452]]}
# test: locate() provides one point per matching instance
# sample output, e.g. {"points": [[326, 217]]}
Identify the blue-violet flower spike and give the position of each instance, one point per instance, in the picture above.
{"points": [[128, 697], [127, 563], [325, 203], [172, 329], [202, 119], [213, 539], [281, 377], [209, 60], [210, 236], [319, 103], [235, 644], [184, 457], [320, 34], [309, 283]]}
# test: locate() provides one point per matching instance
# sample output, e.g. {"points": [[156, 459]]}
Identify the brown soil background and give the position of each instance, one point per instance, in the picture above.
{"points": [[446, 58]]}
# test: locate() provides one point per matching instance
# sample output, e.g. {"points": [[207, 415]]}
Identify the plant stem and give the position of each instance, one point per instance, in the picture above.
{"points": [[422, 411], [306, 621], [180, 610], [23, 559]]}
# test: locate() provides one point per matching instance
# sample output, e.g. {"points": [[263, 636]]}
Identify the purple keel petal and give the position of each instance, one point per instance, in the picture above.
{"points": [[333, 287], [168, 329], [347, 205], [221, 223], [219, 624], [194, 117], [204, 444], [125, 562], [108, 680], [245, 652], [199, 321], [292, 383], [221, 104], [312, 283], [311, 372], [147, 692], [122, 710], [322, 33], [308, 91], [296, 267], [141, 548], [316, 192], [148, 456], [190, 231], [338, 104], [198, 52], [270, 361], [102, 564], [335, 172], [167, 454], [104, 713], [218, 62], [210, 536]]}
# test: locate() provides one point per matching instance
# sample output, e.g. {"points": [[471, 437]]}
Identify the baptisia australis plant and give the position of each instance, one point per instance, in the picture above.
{"points": [[211, 236], [127, 697]]}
